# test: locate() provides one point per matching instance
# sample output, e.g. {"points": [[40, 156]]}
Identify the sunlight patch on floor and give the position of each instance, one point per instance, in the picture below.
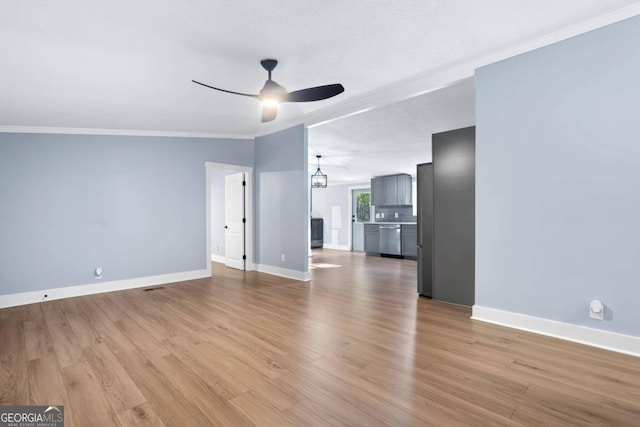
{"points": [[322, 265]]}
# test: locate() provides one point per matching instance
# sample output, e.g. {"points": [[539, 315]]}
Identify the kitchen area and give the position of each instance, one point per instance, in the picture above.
{"points": [[402, 187], [393, 232]]}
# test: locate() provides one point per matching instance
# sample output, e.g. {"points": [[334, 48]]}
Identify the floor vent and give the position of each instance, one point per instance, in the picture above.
{"points": [[153, 289]]}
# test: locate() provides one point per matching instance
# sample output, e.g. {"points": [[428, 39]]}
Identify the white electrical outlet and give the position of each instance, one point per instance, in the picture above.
{"points": [[596, 310], [98, 273], [382, 214], [396, 214], [282, 257]]}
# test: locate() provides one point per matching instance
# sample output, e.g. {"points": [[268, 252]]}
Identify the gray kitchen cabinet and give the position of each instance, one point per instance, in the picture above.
{"points": [[372, 238], [409, 241], [377, 191], [391, 190], [403, 190]]}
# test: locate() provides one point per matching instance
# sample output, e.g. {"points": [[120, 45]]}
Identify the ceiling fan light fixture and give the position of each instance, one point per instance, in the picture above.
{"points": [[318, 179], [272, 94], [270, 102]]}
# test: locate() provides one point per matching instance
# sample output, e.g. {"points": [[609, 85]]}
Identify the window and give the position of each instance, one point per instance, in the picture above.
{"points": [[363, 207]]}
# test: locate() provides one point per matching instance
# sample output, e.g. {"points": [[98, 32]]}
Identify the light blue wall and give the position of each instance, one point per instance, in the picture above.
{"points": [[558, 180], [282, 199], [134, 206]]}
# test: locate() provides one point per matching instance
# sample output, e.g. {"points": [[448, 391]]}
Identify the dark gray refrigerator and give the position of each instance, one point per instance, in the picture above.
{"points": [[424, 182], [446, 219]]}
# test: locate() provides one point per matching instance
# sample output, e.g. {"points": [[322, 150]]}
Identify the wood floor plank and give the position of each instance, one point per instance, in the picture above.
{"points": [[14, 382], [215, 408], [220, 379], [140, 416], [258, 411], [172, 407], [118, 387], [354, 346], [90, 405], [37, 339], [95, 310], [65, 343], [46, 386], [78, 322], [11, 332]]}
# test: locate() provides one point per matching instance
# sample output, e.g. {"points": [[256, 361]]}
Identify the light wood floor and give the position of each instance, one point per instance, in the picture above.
{"points": [[355, 346]]}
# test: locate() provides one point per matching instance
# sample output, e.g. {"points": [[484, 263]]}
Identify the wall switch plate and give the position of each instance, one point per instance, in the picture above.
{"points": [[382, 214], [378, 215], [396, 214]]}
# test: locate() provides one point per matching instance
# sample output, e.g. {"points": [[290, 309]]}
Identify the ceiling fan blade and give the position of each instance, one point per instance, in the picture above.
{"points": [[315, 93], [227, 91], [269, 113]]}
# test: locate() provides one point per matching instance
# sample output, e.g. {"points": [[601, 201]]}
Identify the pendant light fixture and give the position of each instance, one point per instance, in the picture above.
{"points": [[318, 179]]}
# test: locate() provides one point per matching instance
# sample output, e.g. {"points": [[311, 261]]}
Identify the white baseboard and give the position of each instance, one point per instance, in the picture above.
{"points": [[338, 247], [283, 272], [22, 298], [218, 258], [613, 341]]}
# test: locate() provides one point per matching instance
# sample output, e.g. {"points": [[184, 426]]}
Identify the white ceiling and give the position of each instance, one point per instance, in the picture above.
{"points": [[127, 66], [390, 139]]}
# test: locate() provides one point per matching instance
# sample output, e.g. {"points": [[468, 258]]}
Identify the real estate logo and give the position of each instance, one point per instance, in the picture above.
{"points": [[31, 416]]}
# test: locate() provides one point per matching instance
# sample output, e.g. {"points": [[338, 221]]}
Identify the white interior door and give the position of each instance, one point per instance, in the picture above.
{"points": [[234, 220]]}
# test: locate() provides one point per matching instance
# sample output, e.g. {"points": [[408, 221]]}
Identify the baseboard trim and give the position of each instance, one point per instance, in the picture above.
{"points": [[613, 341], [218, 258], [284, 272], [23, 298], [337, 247]]}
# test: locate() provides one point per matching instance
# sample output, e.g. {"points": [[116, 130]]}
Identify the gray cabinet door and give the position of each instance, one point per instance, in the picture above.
{"points": [[409, 240], [377, 191], [372, 238], [404, 190], [390, 190]]}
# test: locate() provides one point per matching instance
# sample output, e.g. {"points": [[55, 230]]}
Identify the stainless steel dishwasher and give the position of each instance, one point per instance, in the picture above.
{"points": [[390, 242]]}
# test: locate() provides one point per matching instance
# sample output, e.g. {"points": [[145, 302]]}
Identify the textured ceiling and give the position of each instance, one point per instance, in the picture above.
{"points": [[128, 65]]}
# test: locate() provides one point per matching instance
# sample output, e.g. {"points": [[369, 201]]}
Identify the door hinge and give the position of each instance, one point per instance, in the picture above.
{"points": [[244, 183], [244, 257], [244, 220]]}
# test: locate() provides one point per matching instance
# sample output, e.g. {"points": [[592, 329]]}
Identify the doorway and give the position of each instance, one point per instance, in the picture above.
{"points": [[240, 245], [360, 214], [234, 220]]}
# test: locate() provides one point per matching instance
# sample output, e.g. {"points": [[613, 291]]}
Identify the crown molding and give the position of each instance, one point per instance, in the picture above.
{"points": [[116, 132]]}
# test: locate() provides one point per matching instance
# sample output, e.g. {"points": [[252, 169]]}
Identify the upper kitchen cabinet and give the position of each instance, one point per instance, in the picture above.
{"points": [[377, 190], [391, 190]]}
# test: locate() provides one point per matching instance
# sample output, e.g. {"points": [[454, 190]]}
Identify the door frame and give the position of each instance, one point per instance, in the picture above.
{"points": [[248, 203], [350, 205]]}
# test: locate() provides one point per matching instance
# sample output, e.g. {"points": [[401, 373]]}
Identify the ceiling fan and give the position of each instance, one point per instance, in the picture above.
{"points": [[273, 94]]}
